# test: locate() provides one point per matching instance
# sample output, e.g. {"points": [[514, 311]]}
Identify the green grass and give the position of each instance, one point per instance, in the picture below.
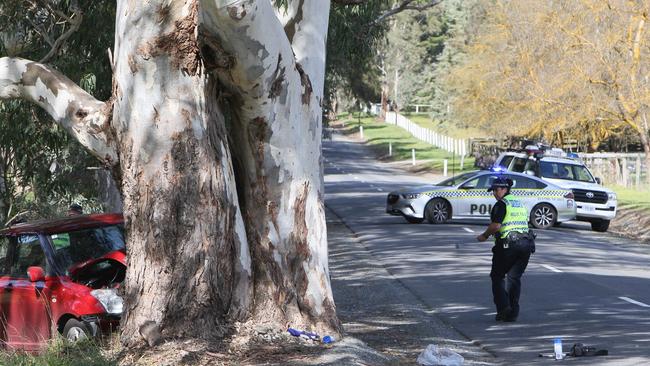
{"points": [[379, 134], [633, 198], [61, 353]]}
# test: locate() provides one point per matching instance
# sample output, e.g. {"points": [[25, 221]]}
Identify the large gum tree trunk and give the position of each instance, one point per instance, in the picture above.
{"points": [[213, 133], [277, 138], [188, 254]]}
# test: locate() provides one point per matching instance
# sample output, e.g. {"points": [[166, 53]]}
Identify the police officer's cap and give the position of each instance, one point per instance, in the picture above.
{"points": [[500, 182]]}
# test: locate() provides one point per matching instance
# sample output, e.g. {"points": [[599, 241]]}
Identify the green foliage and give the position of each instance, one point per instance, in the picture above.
{"points": [[43, 169], [61, 353], [352, 42]]}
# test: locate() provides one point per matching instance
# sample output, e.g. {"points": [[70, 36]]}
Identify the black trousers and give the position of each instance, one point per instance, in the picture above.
{"points": [[510, 263]]}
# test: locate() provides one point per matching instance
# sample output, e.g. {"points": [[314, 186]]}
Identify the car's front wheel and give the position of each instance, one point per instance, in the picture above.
{"points": [[600, 226], [437, 211], [76, 330], [543, 216]]}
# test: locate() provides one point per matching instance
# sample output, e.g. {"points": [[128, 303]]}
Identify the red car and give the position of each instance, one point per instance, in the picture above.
{"points": [[60, 276]]}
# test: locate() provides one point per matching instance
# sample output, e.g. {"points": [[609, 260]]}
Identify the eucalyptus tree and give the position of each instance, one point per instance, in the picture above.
{"points": [[212, 129]]}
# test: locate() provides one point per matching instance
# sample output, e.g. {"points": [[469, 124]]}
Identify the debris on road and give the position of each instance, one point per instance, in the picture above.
{"points": [[434, 356]]}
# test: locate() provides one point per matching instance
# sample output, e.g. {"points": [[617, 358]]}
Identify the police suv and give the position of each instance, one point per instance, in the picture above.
{"points": [[595, 203], [466, 196]]}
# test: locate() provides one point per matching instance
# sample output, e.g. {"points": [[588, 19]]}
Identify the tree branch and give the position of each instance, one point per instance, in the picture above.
{"points": [[405, 5], [75, 22], [252, 34], [85, 117]]}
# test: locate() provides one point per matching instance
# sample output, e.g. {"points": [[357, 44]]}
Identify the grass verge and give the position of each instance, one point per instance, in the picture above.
{"points": [[380, 135], [61, 353], [633, 198]]}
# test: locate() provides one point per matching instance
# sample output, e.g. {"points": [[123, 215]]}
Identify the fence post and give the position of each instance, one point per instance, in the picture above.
{"points": [[413, 156], [444, 171], [626, 172], [361, 131], [390, 148], [638, 171], [462, 162]]}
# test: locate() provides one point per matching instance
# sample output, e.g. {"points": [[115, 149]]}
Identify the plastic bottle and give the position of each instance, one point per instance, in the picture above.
{"points": [[303, 334], [557, 348]]}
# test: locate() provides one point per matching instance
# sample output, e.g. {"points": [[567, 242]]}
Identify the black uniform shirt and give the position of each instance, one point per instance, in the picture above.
{"points": [[497, 215], [498, 212]]}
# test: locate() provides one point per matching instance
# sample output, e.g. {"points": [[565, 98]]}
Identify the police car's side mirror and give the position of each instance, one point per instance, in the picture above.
{"points": [[530, 172], [598, 180]]}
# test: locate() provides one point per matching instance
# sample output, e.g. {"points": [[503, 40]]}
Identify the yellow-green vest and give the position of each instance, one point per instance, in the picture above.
{"points": [[516, 218]]}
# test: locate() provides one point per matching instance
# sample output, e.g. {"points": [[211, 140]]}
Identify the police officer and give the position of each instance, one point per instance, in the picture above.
{"points": [[512, 248]]}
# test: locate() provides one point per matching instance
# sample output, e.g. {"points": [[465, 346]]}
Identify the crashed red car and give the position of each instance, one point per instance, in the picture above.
{"points": [[60, 276]]}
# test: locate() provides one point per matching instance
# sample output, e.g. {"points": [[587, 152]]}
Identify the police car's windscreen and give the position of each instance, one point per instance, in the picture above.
{"points": [[454, 181], [555, 170]]}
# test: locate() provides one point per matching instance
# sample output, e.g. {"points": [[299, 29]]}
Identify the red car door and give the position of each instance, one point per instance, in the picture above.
{"points": [[24, 304]]}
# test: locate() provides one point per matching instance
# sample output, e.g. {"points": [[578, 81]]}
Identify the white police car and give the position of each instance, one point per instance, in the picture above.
{"points": [[466, 196], [595, 204]]}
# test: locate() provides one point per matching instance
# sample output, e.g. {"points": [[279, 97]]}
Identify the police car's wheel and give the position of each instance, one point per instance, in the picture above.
{"points": [[413, 220], [437, 211], [543, 216]]}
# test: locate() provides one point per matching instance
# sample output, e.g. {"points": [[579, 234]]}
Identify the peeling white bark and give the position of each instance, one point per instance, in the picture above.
{"points": [[85, 117], [280, 122]]}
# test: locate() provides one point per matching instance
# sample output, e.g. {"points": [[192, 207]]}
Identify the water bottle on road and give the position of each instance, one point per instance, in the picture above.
{"points": [[557, 347]]}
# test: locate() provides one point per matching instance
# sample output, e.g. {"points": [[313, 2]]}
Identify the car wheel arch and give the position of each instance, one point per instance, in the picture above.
{"points": [[63, 319], [553, 208], [450, 209]]}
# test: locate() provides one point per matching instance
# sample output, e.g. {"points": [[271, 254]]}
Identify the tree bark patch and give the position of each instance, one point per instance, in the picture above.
{"points": [[180, 45], [306, 84]]}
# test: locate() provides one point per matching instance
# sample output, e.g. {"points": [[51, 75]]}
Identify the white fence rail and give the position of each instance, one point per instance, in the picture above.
{"points": [[455, 146], [624, 169]]}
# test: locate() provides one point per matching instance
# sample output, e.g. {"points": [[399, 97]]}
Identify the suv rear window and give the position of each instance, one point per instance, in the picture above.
{"points": [[505, 162], [519, 165]]}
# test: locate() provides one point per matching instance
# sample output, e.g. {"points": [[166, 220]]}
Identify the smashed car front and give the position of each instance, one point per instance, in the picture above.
{"points": [[92, 266]]}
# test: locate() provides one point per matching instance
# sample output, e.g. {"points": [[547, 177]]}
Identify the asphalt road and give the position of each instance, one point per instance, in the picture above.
{"points": [[592, 288]]}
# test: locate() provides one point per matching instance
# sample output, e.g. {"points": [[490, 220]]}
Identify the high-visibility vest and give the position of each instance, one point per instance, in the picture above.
{"points": [[516, 218]]}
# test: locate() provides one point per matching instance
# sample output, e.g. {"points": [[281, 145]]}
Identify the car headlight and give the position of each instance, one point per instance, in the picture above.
{"points": [[411, 196], [611, 196], [110, 300]]}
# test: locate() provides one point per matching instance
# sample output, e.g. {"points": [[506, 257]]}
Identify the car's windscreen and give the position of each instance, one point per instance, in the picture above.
{"points": [[454, 181], [76, 247], [555, 170]]}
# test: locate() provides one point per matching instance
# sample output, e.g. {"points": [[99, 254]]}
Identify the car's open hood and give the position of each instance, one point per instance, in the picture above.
{"points": [[117, 256]]}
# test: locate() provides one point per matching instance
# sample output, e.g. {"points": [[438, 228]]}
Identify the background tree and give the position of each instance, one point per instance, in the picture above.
{"points": [[558, 70], [43, 169]]}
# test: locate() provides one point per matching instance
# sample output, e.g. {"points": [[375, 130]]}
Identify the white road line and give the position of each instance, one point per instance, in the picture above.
{"points": [[551, 268], [468, 230], [356, 178], [634, 302]]}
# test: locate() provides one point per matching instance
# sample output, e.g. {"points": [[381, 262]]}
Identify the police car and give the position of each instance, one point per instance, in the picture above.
{"points": [[595, 204], [466, 196]]}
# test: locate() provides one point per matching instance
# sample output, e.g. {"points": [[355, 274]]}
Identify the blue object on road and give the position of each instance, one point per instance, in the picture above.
{"points": [[328, 339], [304, 334]]}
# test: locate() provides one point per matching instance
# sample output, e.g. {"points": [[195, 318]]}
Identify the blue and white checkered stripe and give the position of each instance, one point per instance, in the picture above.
{"points": [[481, 193]]}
